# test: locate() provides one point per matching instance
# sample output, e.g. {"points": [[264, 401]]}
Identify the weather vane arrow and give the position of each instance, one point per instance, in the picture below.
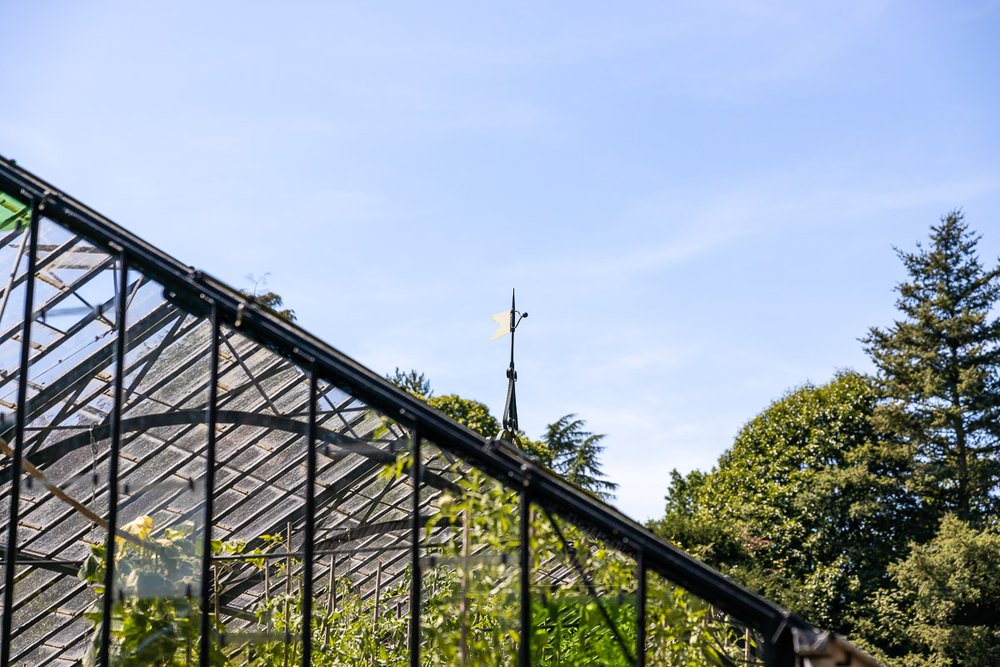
{"points": [[508, 321]]}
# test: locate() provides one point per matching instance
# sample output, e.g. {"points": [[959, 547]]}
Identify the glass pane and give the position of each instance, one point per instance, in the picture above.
{"points": [[470, 606], [583, 596], [161, 509], [683, 629], [259, 502], [64, 502], [362, 553]]}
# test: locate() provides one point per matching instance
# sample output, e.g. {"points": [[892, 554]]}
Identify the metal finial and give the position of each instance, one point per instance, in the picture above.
{"points": [[509, 427]]}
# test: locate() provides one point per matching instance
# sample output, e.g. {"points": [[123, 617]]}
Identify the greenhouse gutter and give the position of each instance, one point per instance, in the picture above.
{"points": [[787, 634]]}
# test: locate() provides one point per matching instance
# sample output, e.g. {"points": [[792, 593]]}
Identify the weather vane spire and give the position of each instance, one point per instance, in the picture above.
{"points": [[508, 322]]}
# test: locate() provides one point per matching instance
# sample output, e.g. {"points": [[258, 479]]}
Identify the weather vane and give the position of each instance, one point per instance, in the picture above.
{"points": [[508, 322]]}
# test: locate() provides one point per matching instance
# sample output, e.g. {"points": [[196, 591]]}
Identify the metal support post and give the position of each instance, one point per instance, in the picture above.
{"points": [[640, 609], [415, 475], [116, 443], [310, 528], [205, 640], [10, 558], [779, 650], [524, 647]]}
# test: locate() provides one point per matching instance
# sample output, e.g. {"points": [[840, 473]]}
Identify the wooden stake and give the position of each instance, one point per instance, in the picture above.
{"points": [[331, 603], [378, 594], [267, 593]]}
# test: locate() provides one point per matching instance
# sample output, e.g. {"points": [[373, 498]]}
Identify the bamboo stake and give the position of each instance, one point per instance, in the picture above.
{"points": [[267, 594], [331, 602], [378, 594]]}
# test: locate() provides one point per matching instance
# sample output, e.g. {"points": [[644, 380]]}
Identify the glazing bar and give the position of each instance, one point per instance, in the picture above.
{"points": [[310, 532], [121, 291], [204, 642], [524, 647], [415, 475], [640, 607], [10, 558]]}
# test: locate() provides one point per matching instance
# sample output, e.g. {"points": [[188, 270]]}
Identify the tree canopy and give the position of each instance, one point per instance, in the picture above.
{"points": [[944, 606], [808, 505], [566, 446], [869, 504]]}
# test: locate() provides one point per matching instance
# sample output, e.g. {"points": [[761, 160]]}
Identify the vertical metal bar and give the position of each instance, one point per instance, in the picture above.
{"points": [[779, 651], [463, 642], [415, 475], [116, 442], [288, 590], [10, 558], [204, 641], [640, 608], [524, 647], [310, 528]]}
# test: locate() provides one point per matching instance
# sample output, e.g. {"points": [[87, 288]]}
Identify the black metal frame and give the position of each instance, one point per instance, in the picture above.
{"points": [[37, 202], [200, 293]]}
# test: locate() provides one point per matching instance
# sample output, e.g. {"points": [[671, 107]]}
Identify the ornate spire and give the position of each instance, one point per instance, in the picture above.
{"points": [[508, 322]]}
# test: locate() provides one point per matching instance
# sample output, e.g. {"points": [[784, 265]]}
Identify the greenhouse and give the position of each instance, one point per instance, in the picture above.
{"points": [[189, 479]]}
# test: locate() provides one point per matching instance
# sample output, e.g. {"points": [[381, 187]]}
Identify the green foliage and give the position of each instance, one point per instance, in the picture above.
{"points": [[470, 613], [469, 602], [575, 454], [155, 614], [939, 367], [945, 606], [412, 381], [272, 302], [347, 633], [808, 506], [472, 608], [566, 447], [471, 413], [827, 501]]}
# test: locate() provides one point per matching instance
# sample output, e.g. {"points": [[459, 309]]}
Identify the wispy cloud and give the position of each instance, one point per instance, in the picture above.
{"points": [[694, 225]]}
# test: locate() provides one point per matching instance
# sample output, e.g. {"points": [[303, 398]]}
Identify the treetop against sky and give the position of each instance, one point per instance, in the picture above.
{"points": [[696, 201]]}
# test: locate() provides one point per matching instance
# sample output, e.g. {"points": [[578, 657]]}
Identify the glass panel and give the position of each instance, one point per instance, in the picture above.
{"points": [[583, 596], [470, 607], [161, 506], [683, 629], [259, 502], [364, 498], [64, 499]]}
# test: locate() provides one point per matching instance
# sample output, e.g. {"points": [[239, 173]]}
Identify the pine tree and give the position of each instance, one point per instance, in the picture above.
{"points": [[575, 454], [939, 368]]}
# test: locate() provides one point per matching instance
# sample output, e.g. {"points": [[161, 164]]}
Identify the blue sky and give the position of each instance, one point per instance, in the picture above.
{"points": [[697, 201]]}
